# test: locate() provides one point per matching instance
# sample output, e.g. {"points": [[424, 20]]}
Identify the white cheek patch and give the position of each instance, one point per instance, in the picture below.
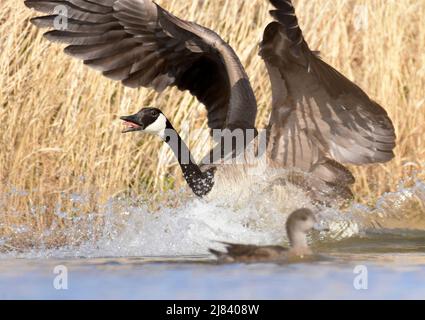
{"points": [[158, 127]]}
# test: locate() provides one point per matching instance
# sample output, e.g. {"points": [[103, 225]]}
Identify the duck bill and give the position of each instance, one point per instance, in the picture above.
{"points": [[131, 124]]}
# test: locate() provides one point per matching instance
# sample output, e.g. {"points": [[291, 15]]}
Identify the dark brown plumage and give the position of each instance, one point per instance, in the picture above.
{"points": [[319, 118], [246, 253], [142, 45], [298, 225]]}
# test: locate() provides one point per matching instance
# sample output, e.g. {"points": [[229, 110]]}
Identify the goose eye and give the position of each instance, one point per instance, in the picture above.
{"points": [[154, 113]]}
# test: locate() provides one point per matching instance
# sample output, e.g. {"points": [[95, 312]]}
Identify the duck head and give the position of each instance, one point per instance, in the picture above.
{"points": [[299, 224]]}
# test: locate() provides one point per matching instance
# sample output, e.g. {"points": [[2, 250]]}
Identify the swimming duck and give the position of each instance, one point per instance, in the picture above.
{"points": [[298, 225]]}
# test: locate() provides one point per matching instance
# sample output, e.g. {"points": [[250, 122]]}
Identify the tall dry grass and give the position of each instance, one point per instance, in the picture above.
{"points": [[59, 128]]}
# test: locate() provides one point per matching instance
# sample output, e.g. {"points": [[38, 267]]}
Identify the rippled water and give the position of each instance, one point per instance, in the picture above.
{"points": [[141, 254], [390, 276]]}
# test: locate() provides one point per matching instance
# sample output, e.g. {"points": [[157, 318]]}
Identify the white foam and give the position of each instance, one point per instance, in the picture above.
{"points": [[256, 216]]}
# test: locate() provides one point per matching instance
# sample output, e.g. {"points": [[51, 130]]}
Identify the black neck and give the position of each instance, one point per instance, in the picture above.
{"points": [[200, 182]]}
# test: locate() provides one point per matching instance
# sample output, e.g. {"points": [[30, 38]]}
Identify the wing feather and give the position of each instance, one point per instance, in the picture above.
{"points": [[140, 44], [319, 117]]}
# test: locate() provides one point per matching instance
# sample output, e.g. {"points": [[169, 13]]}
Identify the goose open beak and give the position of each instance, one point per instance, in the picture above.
{"points": [[131, 124]]}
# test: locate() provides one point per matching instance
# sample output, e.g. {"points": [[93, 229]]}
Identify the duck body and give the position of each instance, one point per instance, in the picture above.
{"points": [[251, 254], [298, 225]]}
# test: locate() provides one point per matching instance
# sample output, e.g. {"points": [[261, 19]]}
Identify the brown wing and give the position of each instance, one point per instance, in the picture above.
{"points": [[250, 253], [142, 45], [319, 116]]}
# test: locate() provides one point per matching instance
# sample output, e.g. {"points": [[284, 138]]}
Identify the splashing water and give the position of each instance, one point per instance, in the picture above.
{"points": [[235, 213]]}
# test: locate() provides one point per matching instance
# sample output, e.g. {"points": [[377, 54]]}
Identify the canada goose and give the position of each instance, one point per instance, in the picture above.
{"points": [[319, 118], [298, 225]]}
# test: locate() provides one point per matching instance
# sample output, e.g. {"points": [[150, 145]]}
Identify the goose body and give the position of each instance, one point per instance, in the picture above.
{"points": [[298, 225], [320, 120]]}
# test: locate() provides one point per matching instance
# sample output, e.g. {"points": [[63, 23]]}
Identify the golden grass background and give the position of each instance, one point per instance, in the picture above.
{"points": [[59, 128]]}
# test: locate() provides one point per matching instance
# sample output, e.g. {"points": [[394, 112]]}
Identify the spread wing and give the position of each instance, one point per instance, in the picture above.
{"points": [[319, 117], [142, 45]]}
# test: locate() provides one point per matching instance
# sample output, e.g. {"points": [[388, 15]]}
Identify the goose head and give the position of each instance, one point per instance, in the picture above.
{"points": [[147, 120]]}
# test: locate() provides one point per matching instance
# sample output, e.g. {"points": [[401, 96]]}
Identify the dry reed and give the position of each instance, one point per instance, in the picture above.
{"points": [[59, 128]]}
